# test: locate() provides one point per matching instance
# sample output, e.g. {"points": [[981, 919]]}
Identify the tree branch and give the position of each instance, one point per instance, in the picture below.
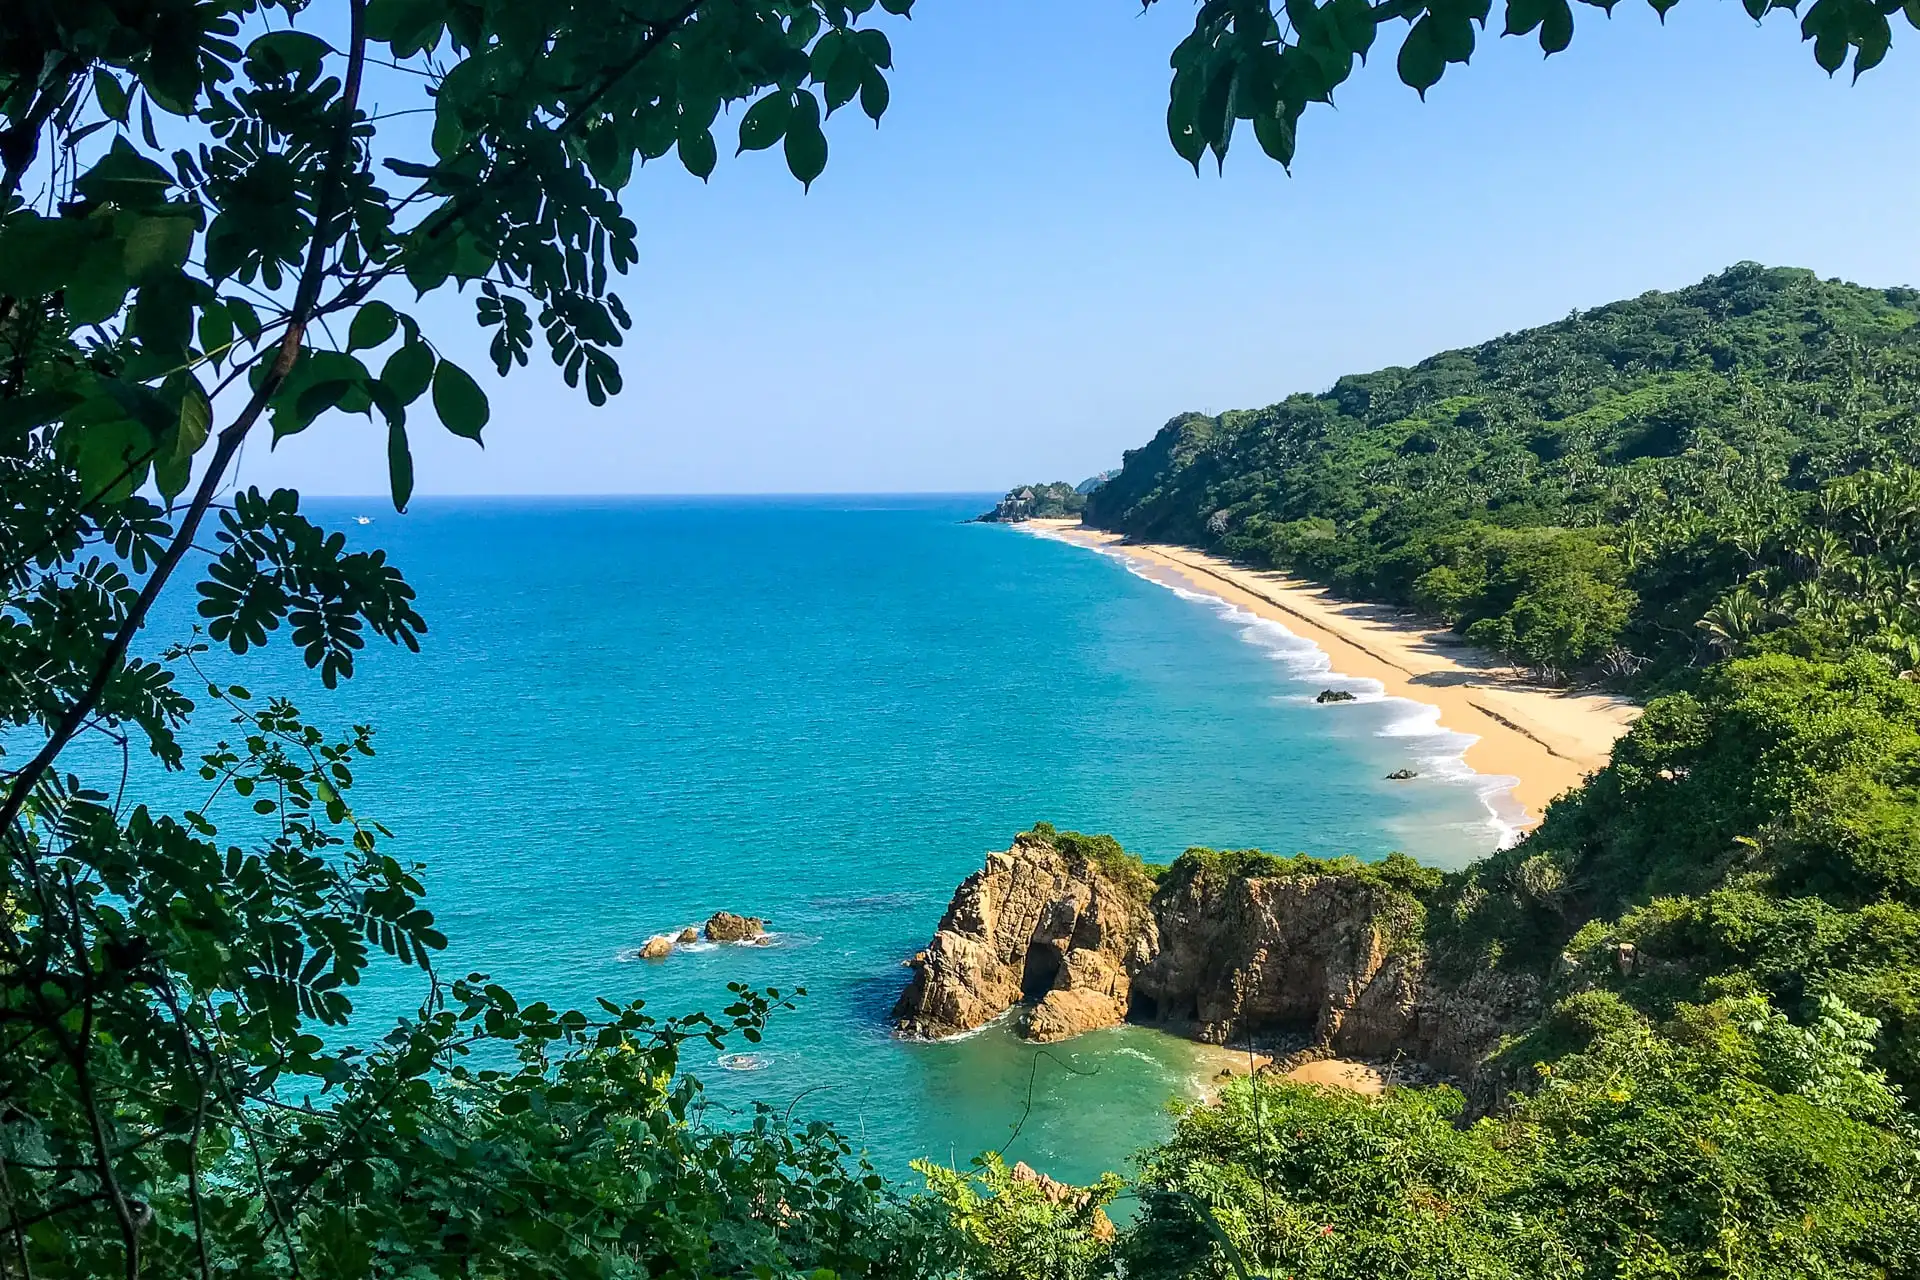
{"points": [[326, 225]]}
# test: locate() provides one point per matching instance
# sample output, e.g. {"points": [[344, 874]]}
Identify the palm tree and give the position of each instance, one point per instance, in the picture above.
{"points": [[1734, 621]]}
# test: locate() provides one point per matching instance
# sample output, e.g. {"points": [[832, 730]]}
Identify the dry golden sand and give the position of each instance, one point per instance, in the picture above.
{"points": [[1222, 1063], [1340, 1073], [1548, 740]]}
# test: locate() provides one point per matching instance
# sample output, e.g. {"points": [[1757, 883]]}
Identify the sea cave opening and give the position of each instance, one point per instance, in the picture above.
{"points": [[1042, 970]]}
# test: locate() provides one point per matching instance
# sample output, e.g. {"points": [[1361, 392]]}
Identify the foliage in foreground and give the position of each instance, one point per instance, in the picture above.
{"points": [[184, 1089], [1008, 1227], [1639, 1156]]}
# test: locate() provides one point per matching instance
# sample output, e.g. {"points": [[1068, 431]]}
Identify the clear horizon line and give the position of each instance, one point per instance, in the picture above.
{"points": [[694, 493]]}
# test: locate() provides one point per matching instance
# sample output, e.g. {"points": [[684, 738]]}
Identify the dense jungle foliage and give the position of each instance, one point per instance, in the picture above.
{"points": [[1634, 490], [1706, 964]]}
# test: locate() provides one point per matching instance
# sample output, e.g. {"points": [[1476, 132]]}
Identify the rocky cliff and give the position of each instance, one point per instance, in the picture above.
{"points": [[1038, 925], [1222, 948]]}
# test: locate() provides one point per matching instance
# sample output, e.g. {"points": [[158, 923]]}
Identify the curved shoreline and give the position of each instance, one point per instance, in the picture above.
{"points": [[1546, 740]]}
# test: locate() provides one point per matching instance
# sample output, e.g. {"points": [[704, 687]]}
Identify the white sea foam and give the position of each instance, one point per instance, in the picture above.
{"points": [[968, 1035], [1441, 753]]}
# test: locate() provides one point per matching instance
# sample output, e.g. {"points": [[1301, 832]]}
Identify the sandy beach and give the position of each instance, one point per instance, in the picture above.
{"points": [[1548, 740]]}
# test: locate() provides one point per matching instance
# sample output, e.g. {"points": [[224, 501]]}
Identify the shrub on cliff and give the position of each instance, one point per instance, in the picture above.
{"points": [[1403, 884], [1128, 870], [1754, 835]]}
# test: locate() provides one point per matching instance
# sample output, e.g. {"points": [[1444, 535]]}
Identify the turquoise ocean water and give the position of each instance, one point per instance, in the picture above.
{"points": [[633, 712]]}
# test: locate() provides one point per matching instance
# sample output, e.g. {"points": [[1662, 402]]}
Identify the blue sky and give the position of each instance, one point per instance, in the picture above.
{"points": [[1015, 279]]}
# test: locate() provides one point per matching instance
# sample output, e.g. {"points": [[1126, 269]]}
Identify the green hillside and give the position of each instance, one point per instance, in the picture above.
{"points": [[1705, 964], [1636, 489]]}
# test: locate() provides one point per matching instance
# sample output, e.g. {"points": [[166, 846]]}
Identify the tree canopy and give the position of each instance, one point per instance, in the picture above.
{"points": [[1265, 64]]}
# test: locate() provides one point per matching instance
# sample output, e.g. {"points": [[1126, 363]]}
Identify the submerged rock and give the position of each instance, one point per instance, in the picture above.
{"points": [[1333, 695], [1401, 775], [725, 926], [688, 934], [657, 947]]}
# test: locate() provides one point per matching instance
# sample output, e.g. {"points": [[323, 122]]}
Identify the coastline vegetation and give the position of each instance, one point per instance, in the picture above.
{"points": [[1057, 500], [1708, 496], [1139, 877], [1628, 493]]}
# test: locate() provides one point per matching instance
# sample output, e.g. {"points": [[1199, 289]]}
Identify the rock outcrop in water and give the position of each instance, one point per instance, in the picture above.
{"points": [[1221, 948], [725, 926], [1039, 925]]}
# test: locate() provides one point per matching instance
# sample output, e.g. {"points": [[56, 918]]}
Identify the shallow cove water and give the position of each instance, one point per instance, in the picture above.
{"points": [[630, 713]]}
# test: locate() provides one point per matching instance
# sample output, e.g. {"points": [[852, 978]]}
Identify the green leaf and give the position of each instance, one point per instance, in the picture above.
{"points": [[806, 145], [399, 466], [1454, 37], [214, 329], [1913, 13], [766, 121], [1556, 32], [459, 401], [37, 254], [111, 456], [408, 371], [156, 245], [196, 416], [173, 465], [279, 52], [874, 94], [1523, 16], [408, 26], [1873, 42], [163, 313], [97, 285], [125, 177], [1354, 25], [372, 325], [1183, 102], [1275, 134], [245, 319], [875, 46], [698, 153], [1420, 63], [111, 96]]}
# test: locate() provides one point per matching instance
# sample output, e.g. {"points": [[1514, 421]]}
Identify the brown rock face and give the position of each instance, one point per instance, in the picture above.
{"points": [[1216, 956], [724, 926], [1238, 956], [1032, 925]]}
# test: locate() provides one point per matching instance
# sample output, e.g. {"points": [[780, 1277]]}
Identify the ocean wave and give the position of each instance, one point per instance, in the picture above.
{"points": [[1445, 756], [958, 1036]]}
